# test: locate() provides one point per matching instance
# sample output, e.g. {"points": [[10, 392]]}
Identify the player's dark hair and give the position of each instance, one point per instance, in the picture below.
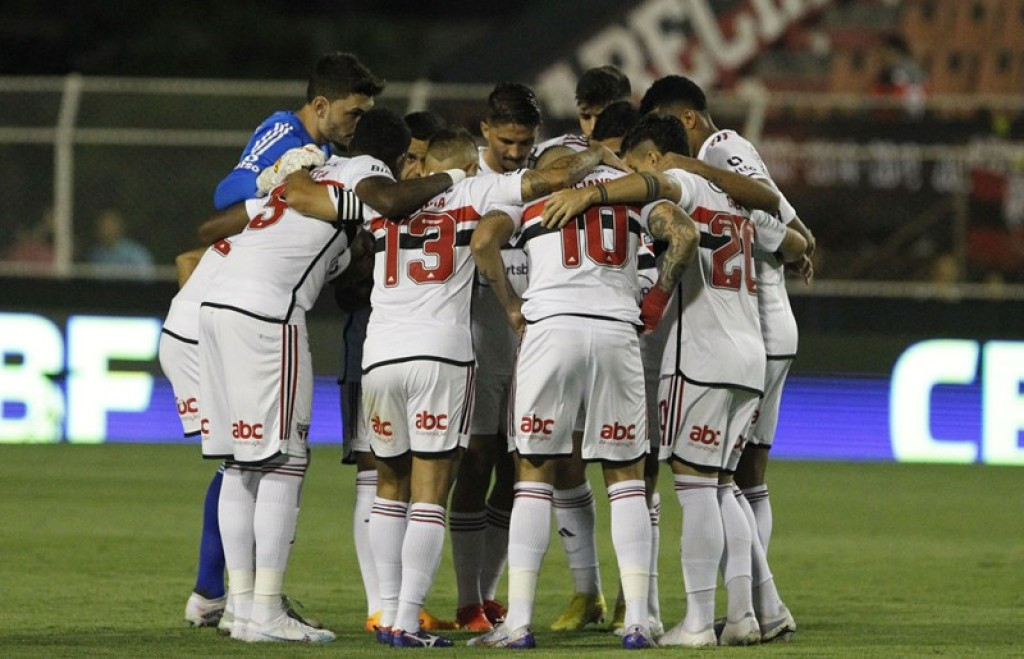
{"points": [[615, 120], [674, 90], [424, 124], [513, 103], [666, 132], [382, 134], [602, 85], [337, 75], [448, 142]]}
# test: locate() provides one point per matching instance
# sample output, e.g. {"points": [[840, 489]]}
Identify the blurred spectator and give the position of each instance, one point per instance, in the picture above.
{"points": [[33, 243], [901, 76], [112, 248]]}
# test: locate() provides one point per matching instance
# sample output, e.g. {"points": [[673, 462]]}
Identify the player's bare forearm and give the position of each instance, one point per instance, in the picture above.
{"points": [[186, 262], [670, 223], [793, 247], [396, 199], [749, 192], [634, 188], [222, 224], [797, 224], [562, 173], [308, 197], [494, 230]]}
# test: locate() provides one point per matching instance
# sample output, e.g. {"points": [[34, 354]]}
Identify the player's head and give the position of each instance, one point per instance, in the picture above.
{"points": [[652, 137], [382, 134], [423, 125], [340, 91], [596, 89], [682, 98], [513, 120], [613, 124], [451, 148]]}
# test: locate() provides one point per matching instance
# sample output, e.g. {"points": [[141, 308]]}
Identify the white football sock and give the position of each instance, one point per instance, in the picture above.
{"points": [[576, 516], [701, 547], [421, 554], [277, 512], [529, 535], [467, 531], [631, 537], [236, 511], [366, 490], [757, 497], [653, 601], [736, 573], [387, 533], [240, 588], [766, 597], [492, 564]]}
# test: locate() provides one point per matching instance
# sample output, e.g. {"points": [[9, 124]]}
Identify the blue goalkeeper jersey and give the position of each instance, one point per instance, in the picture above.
{"points": [[278, 133]]}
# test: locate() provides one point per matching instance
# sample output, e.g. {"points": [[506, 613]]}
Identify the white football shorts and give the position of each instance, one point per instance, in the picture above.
{"points": [[702, 425], [179, 359], [565, 362], [257, 379], [419, 405], [765, 420]]}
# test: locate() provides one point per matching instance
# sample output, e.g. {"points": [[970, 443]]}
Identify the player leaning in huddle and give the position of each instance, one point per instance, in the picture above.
{"points": [[339, 90], [417, 391], [684, 99], [479, 523], [255, 371], [712, 368], [574, 506], [354, 298], [580, 348]]}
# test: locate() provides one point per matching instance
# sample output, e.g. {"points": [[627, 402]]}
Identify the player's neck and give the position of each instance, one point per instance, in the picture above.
{"points": [[307, 116]]}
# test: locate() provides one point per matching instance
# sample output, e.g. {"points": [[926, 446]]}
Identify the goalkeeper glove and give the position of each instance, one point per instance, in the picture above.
{"points": [[292, 160]]}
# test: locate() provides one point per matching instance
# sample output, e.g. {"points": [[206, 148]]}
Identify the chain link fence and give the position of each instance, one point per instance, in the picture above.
{"points": [[935, 199]]}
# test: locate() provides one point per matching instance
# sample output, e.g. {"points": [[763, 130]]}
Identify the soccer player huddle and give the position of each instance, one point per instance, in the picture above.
{"points": [[514, 311]]}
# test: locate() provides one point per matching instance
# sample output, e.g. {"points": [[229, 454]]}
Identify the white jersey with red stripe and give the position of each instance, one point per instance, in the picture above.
{"points": [[587, 268], [573, 141], [182, 319], [716, 336], [275, 268], [729, 150], [423, 273]]}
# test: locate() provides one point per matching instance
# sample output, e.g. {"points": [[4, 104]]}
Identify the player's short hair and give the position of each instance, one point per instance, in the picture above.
{"points": [[449, 142], [382, 134], [337, 75], [615, 120], [674, 90], [513, 103], [602, 85], [424, 124], [666, 132]]}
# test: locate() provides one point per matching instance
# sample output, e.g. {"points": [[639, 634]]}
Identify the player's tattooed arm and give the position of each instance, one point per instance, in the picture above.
{"points": [[561, 173], [668, 222], [222, 224], [752, 193], [634, 188], [493, 231]]}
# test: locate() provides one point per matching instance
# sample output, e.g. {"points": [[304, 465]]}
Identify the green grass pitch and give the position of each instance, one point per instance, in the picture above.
{"points": [[98, 547]]}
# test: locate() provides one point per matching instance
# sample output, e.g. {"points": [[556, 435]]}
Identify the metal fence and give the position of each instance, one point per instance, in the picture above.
{"points": [[933, 201]]}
